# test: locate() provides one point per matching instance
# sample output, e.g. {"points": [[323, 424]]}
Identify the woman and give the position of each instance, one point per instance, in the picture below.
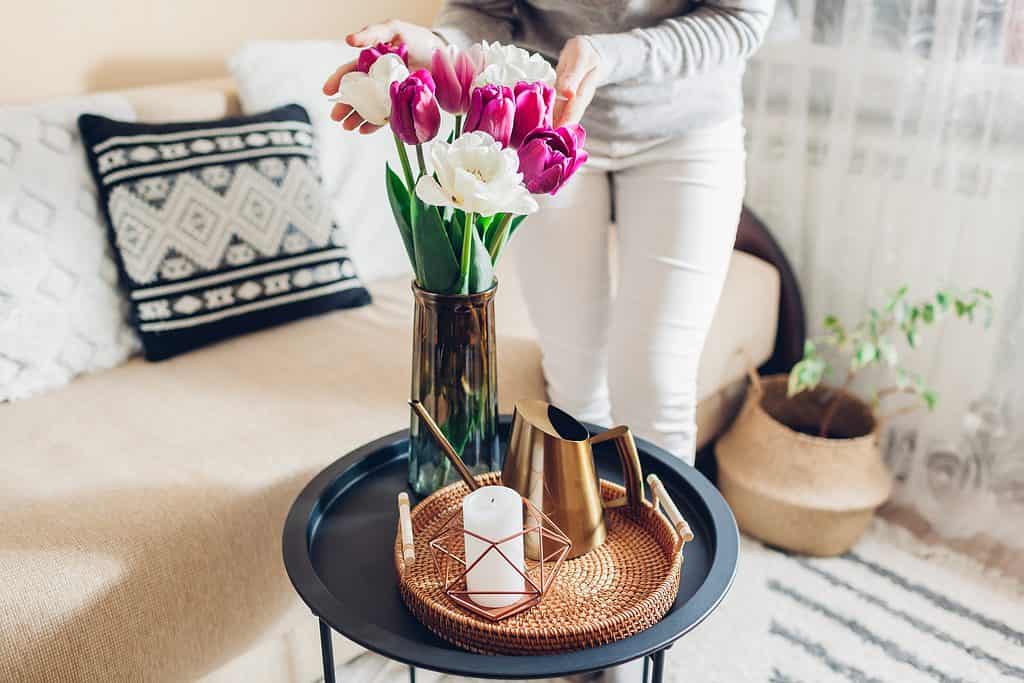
{"points": [[656, 84]]}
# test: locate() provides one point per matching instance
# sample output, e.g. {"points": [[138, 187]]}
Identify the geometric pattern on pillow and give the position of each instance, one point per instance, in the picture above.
{"points": [[220, 227], [61, 312]]}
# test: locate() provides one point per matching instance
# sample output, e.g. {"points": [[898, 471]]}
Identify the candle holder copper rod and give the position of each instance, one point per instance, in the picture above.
{"points": [[447, 550]]}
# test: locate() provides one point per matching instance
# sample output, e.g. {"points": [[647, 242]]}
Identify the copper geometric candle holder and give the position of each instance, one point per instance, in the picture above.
{"points": [[545, 541]]}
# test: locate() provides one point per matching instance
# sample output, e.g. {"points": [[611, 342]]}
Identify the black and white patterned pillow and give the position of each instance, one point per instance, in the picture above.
{"points": [[220, 227]]}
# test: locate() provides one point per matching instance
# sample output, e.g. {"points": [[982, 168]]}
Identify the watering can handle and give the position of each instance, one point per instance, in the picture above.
{"points": [[632, 474]]}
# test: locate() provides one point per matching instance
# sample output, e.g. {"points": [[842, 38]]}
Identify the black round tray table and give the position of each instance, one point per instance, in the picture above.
{"points": [[338, 545]]}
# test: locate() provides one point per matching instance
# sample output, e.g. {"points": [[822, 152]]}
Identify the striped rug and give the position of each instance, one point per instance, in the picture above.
{"points": [[892, 610]]}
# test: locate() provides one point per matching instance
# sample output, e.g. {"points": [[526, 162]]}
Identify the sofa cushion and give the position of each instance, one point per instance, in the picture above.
{"points": [[213, 98], [220, 226], [61, 313], [142, 507]]}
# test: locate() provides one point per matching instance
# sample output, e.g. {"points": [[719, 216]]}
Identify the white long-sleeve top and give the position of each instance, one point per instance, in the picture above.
{"points": [[669, 66]]}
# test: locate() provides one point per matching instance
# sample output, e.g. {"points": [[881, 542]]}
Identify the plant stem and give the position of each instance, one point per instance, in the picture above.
{"points": [[833, 405], [458, 126], [896, 413], [403, 156], [421, 161], [500, 236], [888, 391], [467, 245]]}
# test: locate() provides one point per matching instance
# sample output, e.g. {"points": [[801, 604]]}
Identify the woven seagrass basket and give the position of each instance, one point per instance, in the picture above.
{"points": [[614, 591], [805, 493]]}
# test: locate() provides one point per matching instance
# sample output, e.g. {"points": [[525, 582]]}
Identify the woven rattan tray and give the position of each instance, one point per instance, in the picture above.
{"points": [[613, 592]]}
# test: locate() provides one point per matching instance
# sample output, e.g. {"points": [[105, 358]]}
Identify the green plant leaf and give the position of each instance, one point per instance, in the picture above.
{"points": [[515, 224], [809, 348], [863, 355], [931, 399], [793, 384], [398, 198], [928, 313], [942, 299], [439, 269], [806, 374], [896, 297], [458, 219], [887, 352], [913, 338], [481, 272], [483, 225]]}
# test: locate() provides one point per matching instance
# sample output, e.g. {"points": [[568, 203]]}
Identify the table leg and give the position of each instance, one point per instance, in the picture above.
{"points": [[412, 674], [327, 650], [657, 666], [647, 669]]}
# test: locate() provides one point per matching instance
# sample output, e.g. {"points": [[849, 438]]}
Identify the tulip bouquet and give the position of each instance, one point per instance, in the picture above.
{"points": [[468, 193]]}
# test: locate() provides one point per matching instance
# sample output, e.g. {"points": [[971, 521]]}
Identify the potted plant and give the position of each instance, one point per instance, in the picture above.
{"points": [[801, 466], [455, 211]]}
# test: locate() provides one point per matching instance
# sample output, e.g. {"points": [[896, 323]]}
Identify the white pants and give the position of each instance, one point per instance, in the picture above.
{"points": [[628, 354]]}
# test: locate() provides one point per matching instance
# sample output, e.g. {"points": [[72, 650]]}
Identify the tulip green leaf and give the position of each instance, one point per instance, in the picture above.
{"points": [[483, 224], [438, 267], [481, 271], [515, 224], [398, 197], [455, 235]]}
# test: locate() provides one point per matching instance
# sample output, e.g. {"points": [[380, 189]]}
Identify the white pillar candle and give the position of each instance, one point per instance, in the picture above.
{"points": [[494, 512]]}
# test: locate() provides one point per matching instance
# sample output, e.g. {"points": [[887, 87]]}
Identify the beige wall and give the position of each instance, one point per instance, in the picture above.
{"points": [[59, 47]]}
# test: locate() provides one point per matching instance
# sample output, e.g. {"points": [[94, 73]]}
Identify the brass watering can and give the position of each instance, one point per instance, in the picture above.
{"points": [[550, 462]]}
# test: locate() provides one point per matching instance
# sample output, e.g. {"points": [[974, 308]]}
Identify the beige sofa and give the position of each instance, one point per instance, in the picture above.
{"points": [[142, 507]]}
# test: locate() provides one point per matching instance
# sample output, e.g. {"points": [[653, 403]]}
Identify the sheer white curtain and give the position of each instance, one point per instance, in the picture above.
{"points": [[886, 146]]}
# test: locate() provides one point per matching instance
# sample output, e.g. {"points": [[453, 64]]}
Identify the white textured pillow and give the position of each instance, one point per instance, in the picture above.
{"points": [[274, 73], [61, 313]]}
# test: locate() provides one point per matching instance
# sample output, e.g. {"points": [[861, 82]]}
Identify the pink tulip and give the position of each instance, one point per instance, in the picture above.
{"points": [[492, 110], [454, 71], [534, 106], [368, 56], [548, 157], [415, 116]]}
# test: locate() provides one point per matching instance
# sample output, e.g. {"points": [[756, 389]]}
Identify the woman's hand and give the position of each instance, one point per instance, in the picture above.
{"points": [[421, 43], [576, 77]]}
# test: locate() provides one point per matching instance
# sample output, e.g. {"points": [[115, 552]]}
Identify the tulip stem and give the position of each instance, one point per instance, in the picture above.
{"points": [[421, 161], [500, 236], [458, 125], [403, 156], [467, 245]]}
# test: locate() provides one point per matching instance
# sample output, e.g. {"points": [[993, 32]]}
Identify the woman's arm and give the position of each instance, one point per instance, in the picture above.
{"points": [[716, 33], [464, 22]]}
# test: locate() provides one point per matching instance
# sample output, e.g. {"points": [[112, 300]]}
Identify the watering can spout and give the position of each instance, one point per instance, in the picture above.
{"points": [[445, 445]]}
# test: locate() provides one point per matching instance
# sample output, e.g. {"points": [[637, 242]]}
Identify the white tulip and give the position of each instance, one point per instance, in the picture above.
{"points": [[476, 175], [508, 65], [370, 93]]}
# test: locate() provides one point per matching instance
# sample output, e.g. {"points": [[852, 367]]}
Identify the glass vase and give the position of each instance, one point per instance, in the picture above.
{"points": [[454, 376]]}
